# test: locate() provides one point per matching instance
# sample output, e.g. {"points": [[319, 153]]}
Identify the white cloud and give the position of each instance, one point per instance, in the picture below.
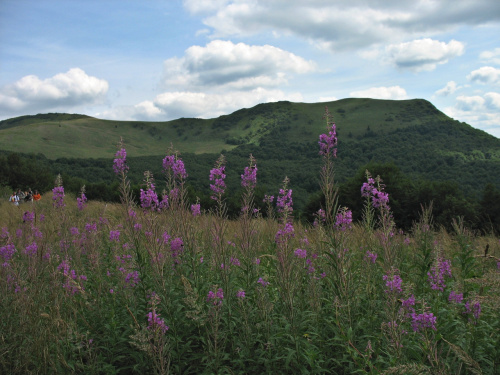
{"points": [[480, 112], [64, 90], [344, 24], [474, 111], [492, 101], [323, 99], [393, 92], [491, 56], [236, 66], [173, 105], [423, 54], [203, 6], [485, 74], [470, 103], [449, 89]]}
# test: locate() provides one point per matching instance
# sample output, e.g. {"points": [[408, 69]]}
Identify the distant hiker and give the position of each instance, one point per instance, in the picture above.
{"points": [[36, 196], [21, 195], [29, 196], [14, 199]]}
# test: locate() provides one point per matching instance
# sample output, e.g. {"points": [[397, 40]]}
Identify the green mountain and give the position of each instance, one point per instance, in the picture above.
{"points": [[417, 140], [77, 136]]}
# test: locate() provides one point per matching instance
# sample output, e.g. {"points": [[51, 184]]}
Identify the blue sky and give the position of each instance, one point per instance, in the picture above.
{"points": [[160, 60]]}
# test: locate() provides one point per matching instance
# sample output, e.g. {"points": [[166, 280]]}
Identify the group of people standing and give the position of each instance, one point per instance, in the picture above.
{"points": [[24, 196]]}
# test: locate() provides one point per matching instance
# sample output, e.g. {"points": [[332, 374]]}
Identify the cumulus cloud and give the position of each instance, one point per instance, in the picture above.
{"points": [[482, 112], [173, 105], [492, 100], [64, 90], [343, 24], [423, 54], [485, 74], [491, 56], [470, 103], [449, 89], [393, 92], [237, 66]]}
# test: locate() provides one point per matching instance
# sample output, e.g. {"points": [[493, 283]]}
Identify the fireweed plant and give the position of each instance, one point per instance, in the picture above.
{"points": [[155, 287], [328, 150]]}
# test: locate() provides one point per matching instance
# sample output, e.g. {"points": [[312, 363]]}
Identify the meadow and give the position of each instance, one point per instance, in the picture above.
{"points": [[164, 286]]}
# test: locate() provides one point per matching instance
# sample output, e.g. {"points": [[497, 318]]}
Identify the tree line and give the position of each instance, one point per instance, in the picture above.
{"points": [[408, 194]]}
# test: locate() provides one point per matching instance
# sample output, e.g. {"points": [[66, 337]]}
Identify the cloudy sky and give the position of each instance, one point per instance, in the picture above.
{"points": [[161, 60]]}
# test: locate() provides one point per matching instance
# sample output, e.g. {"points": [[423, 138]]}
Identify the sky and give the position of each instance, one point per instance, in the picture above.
{"points": [[152, 60]]}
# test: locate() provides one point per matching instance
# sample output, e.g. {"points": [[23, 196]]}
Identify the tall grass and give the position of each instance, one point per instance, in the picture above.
{"points": [[100, 288]]}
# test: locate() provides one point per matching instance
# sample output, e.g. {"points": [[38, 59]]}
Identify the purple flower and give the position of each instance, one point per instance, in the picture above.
{"points": [[217, 175], [164, 202], [300, 253], [475, 310], [31, 249], [132, 279], [263, 282], [28, 217], [219, 294], [114, 235], [64, 267], [284, 201], [149, 199], [91, 227], [378, 196], [155, 323], [80, 202], [240, 294], [268, 199], [285, 234], [58, 197], [7, 252], [176, 165], [441, 269], [423, 321], [196, 209], [371, 257], [249, 176], [210, 296], [216, 297], [235, 261], [456, 297], [119, 163], [320, 217], [393, 283], [343, 219], [408, 303], [328, 142], [176, 247]]}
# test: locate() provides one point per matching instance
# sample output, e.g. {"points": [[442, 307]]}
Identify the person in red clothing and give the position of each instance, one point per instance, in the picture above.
{"points": [[36, 196]]}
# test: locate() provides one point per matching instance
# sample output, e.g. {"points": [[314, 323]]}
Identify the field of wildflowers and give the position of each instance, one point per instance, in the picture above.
{"points": [[166, 287]]}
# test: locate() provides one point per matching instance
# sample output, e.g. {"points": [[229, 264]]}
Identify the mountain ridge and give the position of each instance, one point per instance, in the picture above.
{"points": [[72, 135]]}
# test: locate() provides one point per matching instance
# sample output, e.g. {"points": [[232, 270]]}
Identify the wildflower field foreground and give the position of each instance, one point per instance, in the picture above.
{"points": [[162, 286]]}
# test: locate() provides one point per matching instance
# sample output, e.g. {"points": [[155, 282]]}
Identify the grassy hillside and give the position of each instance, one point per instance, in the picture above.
{"points": [[62, 135]]}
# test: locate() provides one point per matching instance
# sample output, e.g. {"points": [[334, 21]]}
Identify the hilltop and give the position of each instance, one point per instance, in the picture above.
{"points": [[78, 136]]}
